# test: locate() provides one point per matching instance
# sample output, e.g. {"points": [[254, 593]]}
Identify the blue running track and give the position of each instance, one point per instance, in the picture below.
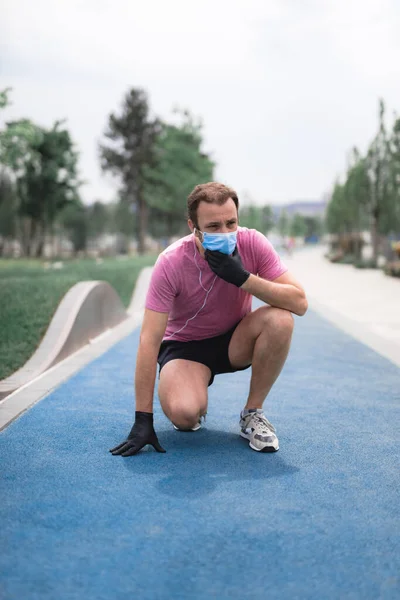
{"points": [[319, 520]]}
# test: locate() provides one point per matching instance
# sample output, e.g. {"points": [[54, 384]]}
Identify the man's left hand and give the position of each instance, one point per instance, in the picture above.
{"points": [[227, 267]]}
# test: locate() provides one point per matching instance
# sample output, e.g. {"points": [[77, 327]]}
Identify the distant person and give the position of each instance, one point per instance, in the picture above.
{"points": [[290, 244], [199, 323]]}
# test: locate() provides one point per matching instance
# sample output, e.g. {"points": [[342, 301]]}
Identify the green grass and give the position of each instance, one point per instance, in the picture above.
{"points": [[29, 296]]}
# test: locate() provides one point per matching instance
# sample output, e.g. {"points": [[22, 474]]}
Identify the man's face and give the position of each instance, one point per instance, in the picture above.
{"points": [[213, 218]]}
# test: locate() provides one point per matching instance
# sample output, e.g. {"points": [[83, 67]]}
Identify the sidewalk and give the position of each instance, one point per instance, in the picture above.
{"points": [[363, 302], [210, 518]]}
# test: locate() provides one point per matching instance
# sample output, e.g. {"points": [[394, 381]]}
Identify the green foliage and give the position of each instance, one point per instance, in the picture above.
{"points": [[283, 223], [298, 226], [4, 99], [44, 167], [124, 218], [98, 216], [249, 216], [256, 217], [335, 214], [392, 268], [370, 194], [179, 166], [29, 296], [128, 149], [8, 206], [74, 220], [365, 263], [347, 208], [390, 219], [18, 146]]}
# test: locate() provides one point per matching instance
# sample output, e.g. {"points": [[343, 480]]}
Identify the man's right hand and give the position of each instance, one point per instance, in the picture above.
{"points": [[141, 434]]}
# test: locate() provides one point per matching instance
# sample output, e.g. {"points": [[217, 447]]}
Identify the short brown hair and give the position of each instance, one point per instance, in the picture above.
{"points": [[213, 193]]}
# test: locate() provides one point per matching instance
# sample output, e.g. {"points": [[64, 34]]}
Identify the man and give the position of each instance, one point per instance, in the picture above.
{"points": [[198, 322]]}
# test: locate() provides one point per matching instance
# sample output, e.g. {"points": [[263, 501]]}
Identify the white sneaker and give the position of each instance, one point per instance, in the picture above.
{"points": [[195, 428], [256, 428]]}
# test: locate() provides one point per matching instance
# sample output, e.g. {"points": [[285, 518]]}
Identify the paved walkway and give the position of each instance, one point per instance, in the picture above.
{"points": [[210, 518], [364, 302]]}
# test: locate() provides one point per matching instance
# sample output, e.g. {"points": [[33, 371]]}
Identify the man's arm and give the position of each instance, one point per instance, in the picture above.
{"points": [[284, 292], [151, 335], [142, 432]]}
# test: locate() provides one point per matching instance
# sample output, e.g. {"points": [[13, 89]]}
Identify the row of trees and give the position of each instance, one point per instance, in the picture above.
{"points": [[368, 198], [298, 225], [156, 163]]}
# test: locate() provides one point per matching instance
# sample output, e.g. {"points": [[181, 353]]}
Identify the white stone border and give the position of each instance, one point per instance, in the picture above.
{"points": [[24, 397]]}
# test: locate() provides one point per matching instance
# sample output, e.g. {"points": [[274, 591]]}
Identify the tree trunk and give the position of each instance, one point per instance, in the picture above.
{"points": [[33, 239], [374, 237], [26, 236], [142, 222], [40, 241], [170, 218]]}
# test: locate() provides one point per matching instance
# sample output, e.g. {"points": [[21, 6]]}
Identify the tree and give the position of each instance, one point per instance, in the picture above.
{"points": [[370, 194], [357, 192], [249, 216], [180, 164], [379, 173], [4, 99], [391, 216], [124, 223], [283, 223], [8, 208], [74, 220], [298, 226], [266, 218], [256, 217], [129, 147], [43, 163], [98, 219]]}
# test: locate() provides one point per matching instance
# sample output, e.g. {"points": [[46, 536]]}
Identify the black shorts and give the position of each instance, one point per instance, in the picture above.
{"points": [[212, 352]]}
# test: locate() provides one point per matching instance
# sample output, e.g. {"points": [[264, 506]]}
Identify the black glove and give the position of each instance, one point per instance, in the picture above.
{"points": [[141, 434], [229, 268]]}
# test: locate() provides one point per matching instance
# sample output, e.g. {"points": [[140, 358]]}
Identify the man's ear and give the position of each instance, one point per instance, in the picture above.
{"points": [[194, 229]]}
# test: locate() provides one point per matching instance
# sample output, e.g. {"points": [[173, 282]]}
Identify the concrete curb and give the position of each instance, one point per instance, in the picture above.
{"points": [[32, 391]]}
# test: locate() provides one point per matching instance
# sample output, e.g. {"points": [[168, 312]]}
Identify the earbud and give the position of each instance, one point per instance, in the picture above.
{"points": [[199, 232]]}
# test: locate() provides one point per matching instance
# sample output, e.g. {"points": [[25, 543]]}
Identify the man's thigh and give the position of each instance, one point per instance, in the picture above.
{"points": [[183, 383], [241, 346]]}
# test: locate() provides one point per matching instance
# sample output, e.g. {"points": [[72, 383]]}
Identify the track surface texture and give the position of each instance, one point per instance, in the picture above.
{"points": [[210, 518]]}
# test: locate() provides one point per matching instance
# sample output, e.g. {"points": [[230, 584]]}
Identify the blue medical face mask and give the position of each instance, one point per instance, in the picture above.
{"points": [[220, 242]]}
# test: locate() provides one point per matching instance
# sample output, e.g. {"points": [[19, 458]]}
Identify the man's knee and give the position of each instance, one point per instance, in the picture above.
{"points": [[277, 321], [184, 415]]}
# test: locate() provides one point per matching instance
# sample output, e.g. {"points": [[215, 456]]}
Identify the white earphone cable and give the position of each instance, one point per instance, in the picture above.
{"points": [[205, 300]]}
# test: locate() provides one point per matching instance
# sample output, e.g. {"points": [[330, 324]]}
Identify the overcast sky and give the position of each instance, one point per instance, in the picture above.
{"points": [[285, 87]]}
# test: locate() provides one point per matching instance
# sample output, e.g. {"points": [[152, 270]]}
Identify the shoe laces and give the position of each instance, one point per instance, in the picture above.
{"points": [[261, 420]]}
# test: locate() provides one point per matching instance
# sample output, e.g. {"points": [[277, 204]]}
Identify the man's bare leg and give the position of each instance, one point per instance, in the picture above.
{"points": [[263, 339], [183, 392]]}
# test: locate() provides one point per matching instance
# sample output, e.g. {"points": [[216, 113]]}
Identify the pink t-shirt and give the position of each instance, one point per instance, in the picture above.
{"points": [[200, 304]]}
